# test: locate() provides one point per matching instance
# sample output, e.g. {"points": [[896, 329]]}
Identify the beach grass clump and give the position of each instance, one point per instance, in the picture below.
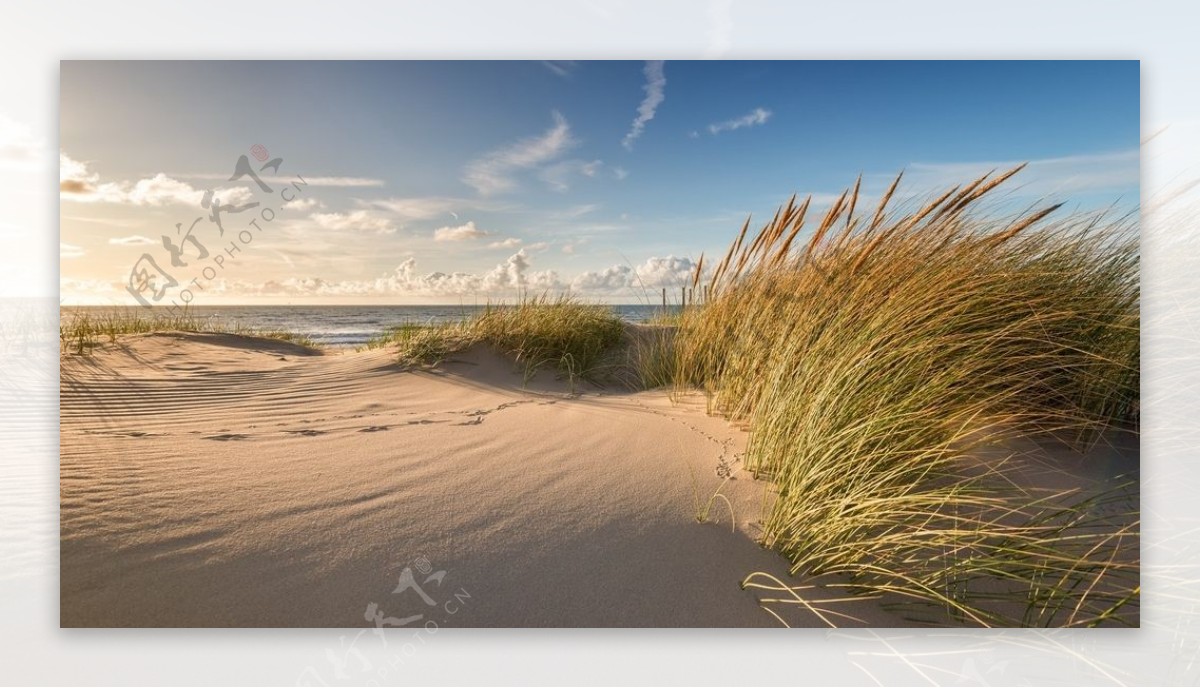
{"points": [[574, 338], [81, 330], [870, 359], [564, 333]]}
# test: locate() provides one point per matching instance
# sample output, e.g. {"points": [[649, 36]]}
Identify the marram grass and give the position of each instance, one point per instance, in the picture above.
{"points": [[576, 339], [869, 359], [80, 331]]}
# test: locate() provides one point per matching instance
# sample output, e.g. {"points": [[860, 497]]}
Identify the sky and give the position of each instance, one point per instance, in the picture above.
{"points": [[463, 182]]}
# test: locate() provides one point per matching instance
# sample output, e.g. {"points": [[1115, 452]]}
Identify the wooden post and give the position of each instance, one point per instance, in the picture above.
{"points": [[664, 298]]}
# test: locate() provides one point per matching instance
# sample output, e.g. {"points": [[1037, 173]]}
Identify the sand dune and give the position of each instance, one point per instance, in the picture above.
{"points": [[217, 480], [220, 480]]}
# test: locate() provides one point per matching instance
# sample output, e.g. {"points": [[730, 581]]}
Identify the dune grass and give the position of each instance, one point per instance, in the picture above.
{"points": [[80, 331], [869, 360], [575, 338]]}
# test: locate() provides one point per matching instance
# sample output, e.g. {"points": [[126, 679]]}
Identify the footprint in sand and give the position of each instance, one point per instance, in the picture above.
{"points": [[375, 428], [306, 433], [226, 437]]}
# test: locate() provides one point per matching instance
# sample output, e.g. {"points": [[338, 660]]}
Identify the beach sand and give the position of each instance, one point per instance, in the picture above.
{"points": [[220, 480]]}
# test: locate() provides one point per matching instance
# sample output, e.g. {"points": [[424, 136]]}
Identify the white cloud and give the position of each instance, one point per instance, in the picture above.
{"points": [[656, 81], [620, 173], [417, 208], [666, 272], [538, 246], [562, 68], [465, 232], [559, 176], [506, 278], [756, 117], [356, 221], [79, 183], [135, 240], [70, 250], [1045, 177], [328, 181], [655, 273], [511, 242], [493, 173], [610, 279], [303, 204]]}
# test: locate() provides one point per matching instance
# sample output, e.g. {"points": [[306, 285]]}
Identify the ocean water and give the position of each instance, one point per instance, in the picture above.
{"points": [[338, 325]]}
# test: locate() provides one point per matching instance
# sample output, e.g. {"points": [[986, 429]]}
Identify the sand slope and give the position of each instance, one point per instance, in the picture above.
{"points": [[217, 480]]}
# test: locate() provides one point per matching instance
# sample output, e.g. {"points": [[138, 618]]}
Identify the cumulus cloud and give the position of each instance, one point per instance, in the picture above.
{"points": [[656, 82], [494, 172], [655, 273], [79, 183], [135, 240], [610, 279], [465, 232], [355, 221], [756, 117], [511, 242]]}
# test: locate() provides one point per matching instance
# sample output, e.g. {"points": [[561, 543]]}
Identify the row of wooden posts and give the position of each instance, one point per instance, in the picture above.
{"points": [[687, 296]]}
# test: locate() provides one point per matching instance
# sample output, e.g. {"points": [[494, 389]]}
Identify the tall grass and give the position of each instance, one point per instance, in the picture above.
{"points": [[869, 360], [576, 339]]}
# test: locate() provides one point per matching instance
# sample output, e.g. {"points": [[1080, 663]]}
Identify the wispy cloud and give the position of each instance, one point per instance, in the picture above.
{"points": [[493, 173], [1099, 172], [355, 221], [465, 232], [563, 68], [328, 181], [511, 242], [430, 207], [135, 240], [70, 251], [754, 118], [561, 175], [656, 82]]}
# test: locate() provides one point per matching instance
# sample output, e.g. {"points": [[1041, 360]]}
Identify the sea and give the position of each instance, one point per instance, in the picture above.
{"points": [[337, 325]]}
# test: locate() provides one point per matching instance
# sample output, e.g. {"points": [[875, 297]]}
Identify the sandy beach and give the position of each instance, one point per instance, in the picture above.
{"points": [[222, 480], [215, 480]]}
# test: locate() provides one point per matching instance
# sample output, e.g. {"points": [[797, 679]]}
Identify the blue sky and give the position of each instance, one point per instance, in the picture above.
{"points": [[444, 182]]}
